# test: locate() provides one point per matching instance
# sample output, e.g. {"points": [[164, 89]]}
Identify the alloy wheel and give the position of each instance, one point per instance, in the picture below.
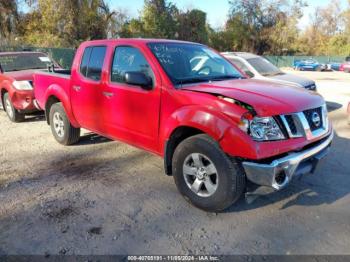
{"points": [[58, 124], [200, 174]]}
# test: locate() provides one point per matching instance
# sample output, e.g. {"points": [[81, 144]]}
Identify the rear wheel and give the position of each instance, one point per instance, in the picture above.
{"points": [[11, 111], [61, 128], [205, 175]]}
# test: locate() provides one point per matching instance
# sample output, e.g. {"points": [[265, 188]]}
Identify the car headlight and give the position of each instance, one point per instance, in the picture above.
{"points": [[262, 128], [22, 85]]}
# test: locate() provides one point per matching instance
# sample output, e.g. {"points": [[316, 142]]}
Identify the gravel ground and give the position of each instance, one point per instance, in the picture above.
{"points": [[104, 197]]}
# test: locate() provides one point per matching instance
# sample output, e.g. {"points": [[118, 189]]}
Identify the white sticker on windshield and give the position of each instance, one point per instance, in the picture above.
{"points": [[44, 59]]}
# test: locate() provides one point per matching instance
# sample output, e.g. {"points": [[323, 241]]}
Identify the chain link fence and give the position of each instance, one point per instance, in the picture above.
{"points": [[288, 61], [63, 56]]}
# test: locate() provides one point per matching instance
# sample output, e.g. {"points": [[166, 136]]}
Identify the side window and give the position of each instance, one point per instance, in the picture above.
{"points": [[92, 62], [97, 57], [129, 59], [85, 61]]}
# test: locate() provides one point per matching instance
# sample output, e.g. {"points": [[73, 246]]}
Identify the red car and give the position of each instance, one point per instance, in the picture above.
{"points": [[215, 129], [345, 67], [16, 82]]}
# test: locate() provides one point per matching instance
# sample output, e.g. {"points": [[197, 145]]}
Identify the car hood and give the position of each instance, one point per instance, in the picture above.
{"points": [[22, 75], [294, 79], [267, 98]]}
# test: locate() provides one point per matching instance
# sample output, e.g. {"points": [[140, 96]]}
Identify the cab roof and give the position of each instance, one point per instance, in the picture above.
{"points": [[137, 40]]}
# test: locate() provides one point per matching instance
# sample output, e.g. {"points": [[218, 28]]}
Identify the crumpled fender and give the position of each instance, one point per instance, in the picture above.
{"points": [[211, 122]]}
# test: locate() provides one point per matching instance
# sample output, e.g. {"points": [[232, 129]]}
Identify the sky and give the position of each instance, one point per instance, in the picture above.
{"points": [[216, 9]]}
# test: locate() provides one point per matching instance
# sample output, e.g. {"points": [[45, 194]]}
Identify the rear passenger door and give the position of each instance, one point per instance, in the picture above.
{"points": [[86, 88], [131, 112]]}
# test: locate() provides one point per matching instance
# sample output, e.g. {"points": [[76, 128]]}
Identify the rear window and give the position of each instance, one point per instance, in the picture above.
{"points": [[92, 62], [24, 61]]}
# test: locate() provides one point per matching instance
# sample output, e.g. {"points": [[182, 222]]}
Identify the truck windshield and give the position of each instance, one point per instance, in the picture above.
{"points": [[192, 63], [23, 61], [264, 67]]}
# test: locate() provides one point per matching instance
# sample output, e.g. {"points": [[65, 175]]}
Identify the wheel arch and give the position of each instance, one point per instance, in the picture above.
{"points": [[50, 101], [189, 121], [56, 94], [3, 91], [176, 137]]}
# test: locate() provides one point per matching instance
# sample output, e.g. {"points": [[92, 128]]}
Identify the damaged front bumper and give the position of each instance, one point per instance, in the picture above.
{"points": [[280, 171]]}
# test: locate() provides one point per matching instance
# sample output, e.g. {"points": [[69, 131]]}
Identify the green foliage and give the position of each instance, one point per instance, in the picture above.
{"points": [[193, 26], [259, 26], [158, 19], [65, 23]]}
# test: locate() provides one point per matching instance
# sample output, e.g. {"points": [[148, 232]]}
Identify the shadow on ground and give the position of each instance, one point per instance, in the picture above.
{"points": [[92, 138]]}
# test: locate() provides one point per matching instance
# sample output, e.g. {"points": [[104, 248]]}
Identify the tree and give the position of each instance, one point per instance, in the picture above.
{"points": [[159, 19], [66, 23], [8, 20], [252, 23], [192, 26]]}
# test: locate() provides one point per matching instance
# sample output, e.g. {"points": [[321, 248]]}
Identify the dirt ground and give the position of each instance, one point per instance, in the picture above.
{"points": [[104, 197]]}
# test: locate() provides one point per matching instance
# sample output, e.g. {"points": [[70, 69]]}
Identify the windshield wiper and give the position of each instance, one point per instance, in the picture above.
{"points": [[225, 77], [206, 79], [192, 80]]}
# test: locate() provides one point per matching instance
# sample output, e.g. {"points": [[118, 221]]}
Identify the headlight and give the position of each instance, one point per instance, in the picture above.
{"points": [[22, 85], [263, 129]]}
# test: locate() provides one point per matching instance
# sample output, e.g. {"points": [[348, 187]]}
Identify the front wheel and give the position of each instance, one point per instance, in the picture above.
{"points": [[11, 111], [205, 175], [61, 128]]}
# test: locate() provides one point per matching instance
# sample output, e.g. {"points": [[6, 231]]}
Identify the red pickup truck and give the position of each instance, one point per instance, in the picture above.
{"points": [[215, 129], [16, 81]]}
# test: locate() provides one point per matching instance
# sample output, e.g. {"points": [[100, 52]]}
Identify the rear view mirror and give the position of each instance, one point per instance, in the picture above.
{"points": [[139, 79]]}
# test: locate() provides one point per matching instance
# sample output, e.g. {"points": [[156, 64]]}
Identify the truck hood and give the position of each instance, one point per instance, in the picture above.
{"points": [[302, 81], [267, 98], [22, 75]]}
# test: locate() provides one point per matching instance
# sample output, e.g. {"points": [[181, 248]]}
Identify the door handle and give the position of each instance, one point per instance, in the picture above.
{"points": [[77, 88], [108, 94]]}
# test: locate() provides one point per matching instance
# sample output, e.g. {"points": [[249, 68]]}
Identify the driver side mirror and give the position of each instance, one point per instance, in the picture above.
{"points": [[139, 79]]}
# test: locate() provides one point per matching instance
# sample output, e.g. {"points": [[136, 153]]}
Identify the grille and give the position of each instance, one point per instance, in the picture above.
{"points": [[291, 124], [309, 117]]}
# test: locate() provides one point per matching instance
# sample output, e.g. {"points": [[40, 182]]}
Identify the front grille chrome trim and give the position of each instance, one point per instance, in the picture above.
{"points": [[302, 125], [299, 128]]}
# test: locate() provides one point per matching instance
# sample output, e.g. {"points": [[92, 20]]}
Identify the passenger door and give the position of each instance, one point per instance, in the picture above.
{"points": [[86, 89], [130, 112]]}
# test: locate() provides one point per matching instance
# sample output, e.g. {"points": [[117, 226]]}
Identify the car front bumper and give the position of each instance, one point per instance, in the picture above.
{"points": [[23, 101], [280, 172]]}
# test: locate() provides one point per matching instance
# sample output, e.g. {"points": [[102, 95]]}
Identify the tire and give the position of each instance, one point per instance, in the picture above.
{"points": [[61, 128], [229, 180], [11, 111]]}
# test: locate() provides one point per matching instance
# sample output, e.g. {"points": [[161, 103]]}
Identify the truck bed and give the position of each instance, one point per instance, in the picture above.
{"points": [[43, 81]]}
